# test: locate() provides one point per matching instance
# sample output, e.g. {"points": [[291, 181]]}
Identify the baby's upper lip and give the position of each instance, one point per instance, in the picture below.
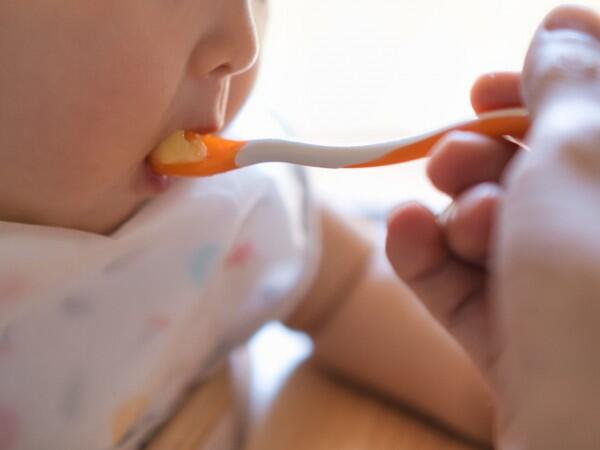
{"points": [[203, 128], [206, 125]]}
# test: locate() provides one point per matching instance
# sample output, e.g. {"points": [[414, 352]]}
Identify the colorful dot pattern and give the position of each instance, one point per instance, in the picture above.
{"points": [[100, 344]]}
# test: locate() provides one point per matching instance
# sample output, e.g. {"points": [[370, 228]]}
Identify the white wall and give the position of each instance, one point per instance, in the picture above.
{"points": [[344, 71]]}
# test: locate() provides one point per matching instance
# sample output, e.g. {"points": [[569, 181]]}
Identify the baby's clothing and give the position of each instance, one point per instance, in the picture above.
{"points": [[100, 336]]}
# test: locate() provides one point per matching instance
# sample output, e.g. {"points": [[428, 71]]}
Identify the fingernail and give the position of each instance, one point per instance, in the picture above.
{"points": [[575, 19]]}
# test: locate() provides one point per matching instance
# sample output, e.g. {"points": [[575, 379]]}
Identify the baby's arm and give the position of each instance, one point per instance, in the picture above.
{"points": [[367, 326]]}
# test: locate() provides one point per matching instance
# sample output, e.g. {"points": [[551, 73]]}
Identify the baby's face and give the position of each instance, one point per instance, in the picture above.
{"points": [[88, 88]]}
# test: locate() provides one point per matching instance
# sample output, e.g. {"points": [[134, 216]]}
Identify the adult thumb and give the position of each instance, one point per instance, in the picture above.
{"points": [[563, 59]]}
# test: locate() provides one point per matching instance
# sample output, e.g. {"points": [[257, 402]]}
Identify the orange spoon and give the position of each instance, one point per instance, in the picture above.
{"points": [[190, 154]]}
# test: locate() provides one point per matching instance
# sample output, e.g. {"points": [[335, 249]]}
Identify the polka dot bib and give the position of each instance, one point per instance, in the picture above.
{"points": [[101, 335]]}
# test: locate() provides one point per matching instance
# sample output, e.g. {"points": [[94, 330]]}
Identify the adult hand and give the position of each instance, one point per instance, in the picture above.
{"points": [[547, 263], [534, 333]]}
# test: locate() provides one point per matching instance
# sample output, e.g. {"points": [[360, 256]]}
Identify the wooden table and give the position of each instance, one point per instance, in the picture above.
{"points": [[290, 404]]}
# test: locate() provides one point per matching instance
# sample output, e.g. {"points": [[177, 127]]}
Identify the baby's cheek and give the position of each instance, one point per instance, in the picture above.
{"points": [[9, 428], [123, 83]]}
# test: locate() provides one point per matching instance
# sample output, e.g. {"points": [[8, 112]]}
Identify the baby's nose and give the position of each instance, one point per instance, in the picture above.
{"points": [[232, 45]]}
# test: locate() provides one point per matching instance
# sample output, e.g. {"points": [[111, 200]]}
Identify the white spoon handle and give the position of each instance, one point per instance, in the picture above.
{"points": [[494, 124]]}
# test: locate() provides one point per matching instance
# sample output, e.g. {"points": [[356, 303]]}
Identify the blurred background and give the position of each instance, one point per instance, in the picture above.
{"points": [[356, 71]]}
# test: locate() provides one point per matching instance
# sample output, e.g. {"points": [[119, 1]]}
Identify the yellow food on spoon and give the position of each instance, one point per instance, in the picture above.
{"points": [[181, 147], [187, 153]]}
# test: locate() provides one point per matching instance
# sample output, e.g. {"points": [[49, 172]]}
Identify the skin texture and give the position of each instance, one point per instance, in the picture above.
{"points": [[118, 76], [522, 253]]}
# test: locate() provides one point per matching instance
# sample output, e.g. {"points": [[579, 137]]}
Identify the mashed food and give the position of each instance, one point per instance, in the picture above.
{"points": [[181, 147]]}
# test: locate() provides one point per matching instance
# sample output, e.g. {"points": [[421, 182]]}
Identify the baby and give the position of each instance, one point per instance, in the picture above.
{"points": [[121, 289]]}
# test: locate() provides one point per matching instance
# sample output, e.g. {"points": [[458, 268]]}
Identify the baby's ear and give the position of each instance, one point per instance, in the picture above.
{"points": [[496, 90], [564, 57]]}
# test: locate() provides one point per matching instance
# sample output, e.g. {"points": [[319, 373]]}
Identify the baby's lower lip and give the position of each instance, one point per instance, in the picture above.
{"points": [[157, 182]]}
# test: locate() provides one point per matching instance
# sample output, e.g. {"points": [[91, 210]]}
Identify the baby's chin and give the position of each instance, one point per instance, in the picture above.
{"points": [[146, 186], [124, 201]]}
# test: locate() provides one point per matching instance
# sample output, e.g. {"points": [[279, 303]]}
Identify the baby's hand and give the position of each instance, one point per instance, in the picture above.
{"points": [[444, 260]]}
